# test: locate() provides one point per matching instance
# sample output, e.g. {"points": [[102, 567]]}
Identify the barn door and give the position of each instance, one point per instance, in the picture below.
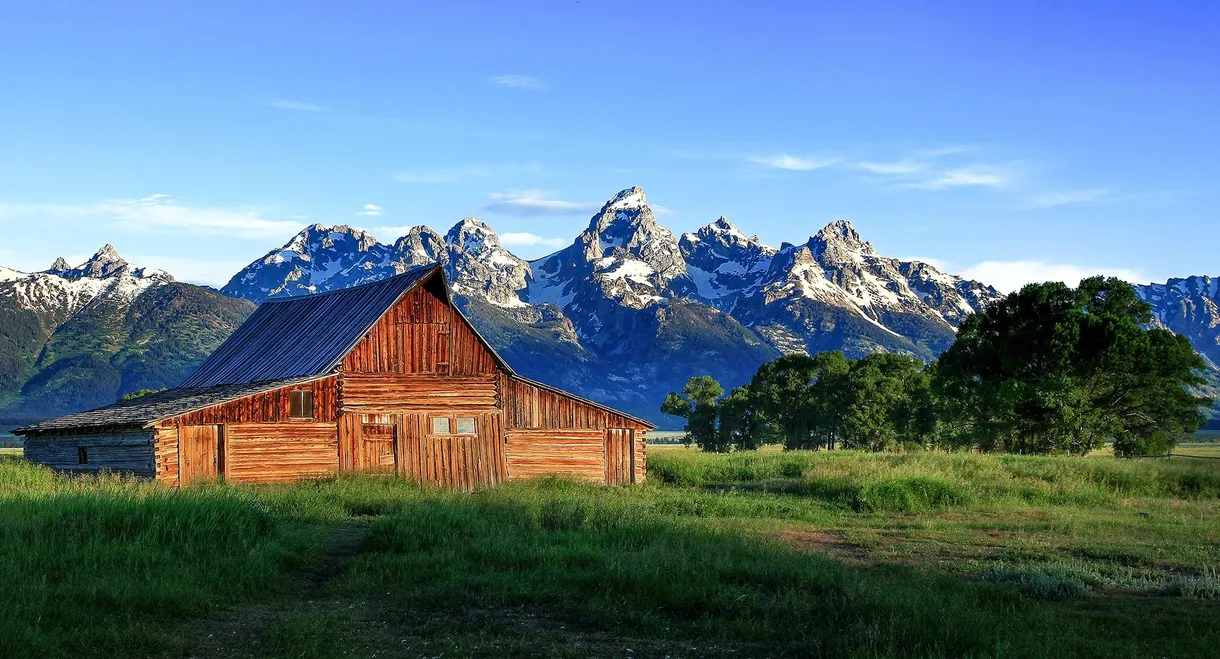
{"points": [[620, 463], [201, 453], [457, 451], [380, 441]]}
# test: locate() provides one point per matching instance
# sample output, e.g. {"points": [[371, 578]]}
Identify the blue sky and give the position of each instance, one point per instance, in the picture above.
{"points": [[1008, 144]]}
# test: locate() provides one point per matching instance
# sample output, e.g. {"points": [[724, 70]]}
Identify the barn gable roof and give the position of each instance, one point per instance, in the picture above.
{"points": [[307, 335], [143, 411]]}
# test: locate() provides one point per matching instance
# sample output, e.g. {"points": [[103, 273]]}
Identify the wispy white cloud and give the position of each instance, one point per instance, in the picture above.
{"points": [[1007, 276], [531, 203], [518, 81], [370, 210], [988, 176], [297, 106], [791, 162], [901, 167], [461, 173], [526, 239], [164, 212], [1068, 197]]}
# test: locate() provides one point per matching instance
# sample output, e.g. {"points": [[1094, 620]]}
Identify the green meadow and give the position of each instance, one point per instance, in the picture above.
{"points": [[769, 553]]}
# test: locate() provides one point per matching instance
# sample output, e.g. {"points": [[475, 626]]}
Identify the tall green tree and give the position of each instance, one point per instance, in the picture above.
{"points": [[885, 403], [742, 425], [698, 405], [1052, 368], [803, 397]]}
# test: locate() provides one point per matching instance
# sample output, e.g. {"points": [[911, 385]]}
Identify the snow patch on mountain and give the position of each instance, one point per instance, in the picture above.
{"points": [[61, 291]]}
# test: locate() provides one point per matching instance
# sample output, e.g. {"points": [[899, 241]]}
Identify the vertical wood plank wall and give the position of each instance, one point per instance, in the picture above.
{"points": [[421, 335]]}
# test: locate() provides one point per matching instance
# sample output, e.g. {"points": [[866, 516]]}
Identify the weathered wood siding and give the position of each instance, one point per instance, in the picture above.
{"points": [[577, 452], [620, 458], [421, 335], [552, 432], [166, 453], [267, 407], [128, 452], [527, 405], [394, 393], [280, 452], [459, 462]]}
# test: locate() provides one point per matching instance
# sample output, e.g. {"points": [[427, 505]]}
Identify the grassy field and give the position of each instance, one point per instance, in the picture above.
{"points": [[767, 554]]}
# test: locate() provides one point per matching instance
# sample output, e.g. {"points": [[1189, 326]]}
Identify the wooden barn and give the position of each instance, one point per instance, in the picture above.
{"points": [[384, 376]]}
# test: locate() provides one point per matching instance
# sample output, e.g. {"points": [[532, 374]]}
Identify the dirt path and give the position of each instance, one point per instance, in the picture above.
{"points": [[237, 633]]}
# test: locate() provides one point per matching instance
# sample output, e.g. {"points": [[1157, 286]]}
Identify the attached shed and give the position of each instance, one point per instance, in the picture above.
{"points": [[384, 376]]}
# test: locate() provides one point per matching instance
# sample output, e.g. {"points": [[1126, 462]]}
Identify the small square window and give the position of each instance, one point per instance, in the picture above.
{"points": [[440, 425], [82, 455], [300, 405], [465, 425]]}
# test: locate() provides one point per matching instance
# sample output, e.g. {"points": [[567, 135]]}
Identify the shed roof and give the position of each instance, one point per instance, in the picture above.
{"points": [[153, 407], [306, 335]]}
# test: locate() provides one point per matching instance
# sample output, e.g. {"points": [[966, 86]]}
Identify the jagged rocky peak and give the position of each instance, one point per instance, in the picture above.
{"points": [[626, 228], [479, 266], [473, 235], [722, 261], [105, 263], [59, 266], [422, 245], [838, 242], [320, 235]]}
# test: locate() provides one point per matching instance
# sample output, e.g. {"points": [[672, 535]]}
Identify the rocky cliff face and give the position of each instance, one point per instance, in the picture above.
{"points": [[1191, 307]]}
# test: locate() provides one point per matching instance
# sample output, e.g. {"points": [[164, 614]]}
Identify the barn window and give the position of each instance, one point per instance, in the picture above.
{"points": [[465, 425], [440, 425], [300, 405], [82, 454]]}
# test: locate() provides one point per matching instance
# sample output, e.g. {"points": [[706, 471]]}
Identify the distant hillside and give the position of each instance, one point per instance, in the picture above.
{"points": [[75, 338]]}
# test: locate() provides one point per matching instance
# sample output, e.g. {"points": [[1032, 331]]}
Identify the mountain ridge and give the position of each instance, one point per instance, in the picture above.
{"points": [[624, 313]]}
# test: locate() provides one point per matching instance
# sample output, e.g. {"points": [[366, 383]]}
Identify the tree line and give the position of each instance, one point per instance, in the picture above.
{"points": [[1046, 369]]}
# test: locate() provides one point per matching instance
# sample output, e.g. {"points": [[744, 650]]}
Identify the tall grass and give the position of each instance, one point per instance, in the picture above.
{"points": [[915, 482], [113, 567], [90, 565]]}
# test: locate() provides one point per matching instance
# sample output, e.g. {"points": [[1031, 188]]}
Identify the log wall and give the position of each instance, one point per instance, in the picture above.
{"points": [[580, 453], [421, 335], [129, 452], [394, 393], [280, 452], [166, 453]]}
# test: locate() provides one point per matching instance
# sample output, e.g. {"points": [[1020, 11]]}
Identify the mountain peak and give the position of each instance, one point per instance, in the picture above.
{"points": [[473, 235], [838, 241], [631, 198], [104, 263], [60, 265]]}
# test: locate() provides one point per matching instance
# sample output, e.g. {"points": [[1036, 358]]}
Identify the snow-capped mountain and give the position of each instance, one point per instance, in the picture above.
{"points": [[1191, 307], [61, 291], [623, 314], [722, 262], [77, 337], [630, 302]]}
